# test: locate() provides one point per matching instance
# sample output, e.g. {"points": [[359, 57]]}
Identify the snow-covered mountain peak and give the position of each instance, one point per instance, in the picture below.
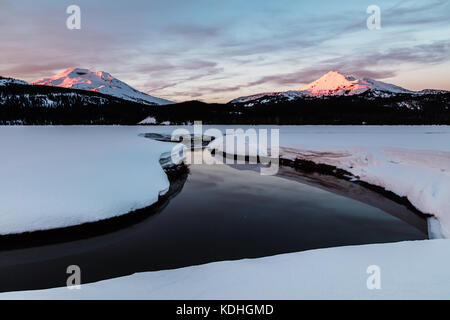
{"points": [[99, 81], [332, 83], [335, 83]]}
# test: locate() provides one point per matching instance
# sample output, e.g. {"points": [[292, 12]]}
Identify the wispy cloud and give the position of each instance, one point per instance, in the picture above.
{"points": [[214, 51]]}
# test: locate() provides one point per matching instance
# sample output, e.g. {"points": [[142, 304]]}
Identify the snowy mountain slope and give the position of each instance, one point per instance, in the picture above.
{"points": [[433, 91], [103, 82], [336, 84], [25, 104], [9, 81]]}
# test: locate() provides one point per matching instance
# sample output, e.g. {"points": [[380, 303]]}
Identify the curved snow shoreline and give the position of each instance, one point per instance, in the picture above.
{"points": [[409, 270], [57, 177], [420, 176], [423, 187]]}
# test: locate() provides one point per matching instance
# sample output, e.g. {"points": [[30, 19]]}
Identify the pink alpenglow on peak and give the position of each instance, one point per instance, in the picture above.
{"points": [[335, 83], [99, 81], [332, 84]]}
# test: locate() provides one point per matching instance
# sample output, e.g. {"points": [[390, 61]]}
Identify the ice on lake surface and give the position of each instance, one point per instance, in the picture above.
{"points": [[226, 213], [216, 213]]}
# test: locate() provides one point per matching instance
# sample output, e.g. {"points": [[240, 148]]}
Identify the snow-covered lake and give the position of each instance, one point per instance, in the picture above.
{"points": [[216, 213], [54, 177]]}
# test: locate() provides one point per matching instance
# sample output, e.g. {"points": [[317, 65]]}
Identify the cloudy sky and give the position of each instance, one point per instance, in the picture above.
{"points": [[216, 50]]}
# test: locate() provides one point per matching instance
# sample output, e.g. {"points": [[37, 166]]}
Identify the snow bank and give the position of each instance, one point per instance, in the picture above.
{"points": [[412, 162], [148, 120], [53, 177], [408, 270]]}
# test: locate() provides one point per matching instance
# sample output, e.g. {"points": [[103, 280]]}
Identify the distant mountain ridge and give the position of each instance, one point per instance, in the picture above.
{"points": [[334, 84], [25, 104], [99, 81], [332, 100], [11, 81]]}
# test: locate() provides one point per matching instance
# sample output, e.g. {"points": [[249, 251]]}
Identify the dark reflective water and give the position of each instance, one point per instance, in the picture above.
{"points": [[218, 213]]}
